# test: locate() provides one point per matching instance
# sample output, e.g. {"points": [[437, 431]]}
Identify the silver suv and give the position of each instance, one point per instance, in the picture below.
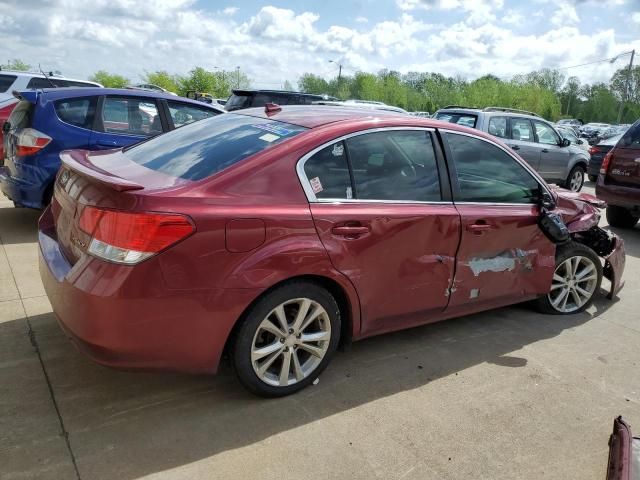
{"points": [[535, 140]]}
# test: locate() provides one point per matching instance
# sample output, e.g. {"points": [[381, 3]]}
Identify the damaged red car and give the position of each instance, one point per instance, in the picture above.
{"points": [[276, 234]]}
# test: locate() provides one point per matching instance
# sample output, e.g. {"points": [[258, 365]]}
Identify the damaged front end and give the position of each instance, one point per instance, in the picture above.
{"points": [[580, 212]]}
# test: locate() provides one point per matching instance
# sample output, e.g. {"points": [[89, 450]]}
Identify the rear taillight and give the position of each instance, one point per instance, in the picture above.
{"points": [[604, 168], [593, 150], [129, 238], [30, 141]]}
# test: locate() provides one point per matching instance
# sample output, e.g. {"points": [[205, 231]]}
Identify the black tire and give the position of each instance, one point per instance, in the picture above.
{"points": [[563, 253], [574, 170], [593, 178], [243, 344], [620, 217]]}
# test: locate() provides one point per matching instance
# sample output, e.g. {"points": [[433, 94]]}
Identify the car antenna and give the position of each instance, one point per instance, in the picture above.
{"points": [[45, 76]]}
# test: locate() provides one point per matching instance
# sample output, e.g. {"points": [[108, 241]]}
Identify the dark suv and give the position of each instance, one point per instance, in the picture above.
{"points": [[258, 98], [619, 180]]}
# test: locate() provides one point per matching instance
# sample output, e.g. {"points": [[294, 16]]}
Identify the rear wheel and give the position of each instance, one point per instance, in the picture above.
{"points": [[575, 180], [576, 280], [620, 217], [593, 178], [287, 339]]}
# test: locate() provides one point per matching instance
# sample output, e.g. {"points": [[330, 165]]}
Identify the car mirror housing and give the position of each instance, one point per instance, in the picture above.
{"points": [[545, 199], [565, 142]]}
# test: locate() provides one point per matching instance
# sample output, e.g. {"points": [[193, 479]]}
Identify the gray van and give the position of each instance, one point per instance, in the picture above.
{"points": [[535, 140]]}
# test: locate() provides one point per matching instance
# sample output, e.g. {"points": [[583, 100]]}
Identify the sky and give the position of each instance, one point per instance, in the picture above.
{"points": [[279, 40]]}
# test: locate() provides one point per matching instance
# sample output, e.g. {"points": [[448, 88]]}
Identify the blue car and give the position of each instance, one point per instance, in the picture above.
{"points": [[48, 121]]}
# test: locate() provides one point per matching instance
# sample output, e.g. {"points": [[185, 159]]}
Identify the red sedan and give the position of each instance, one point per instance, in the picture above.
{"points": [[275, 235]]}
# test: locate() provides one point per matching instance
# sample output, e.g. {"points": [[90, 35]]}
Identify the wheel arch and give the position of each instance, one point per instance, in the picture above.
{"points": [[348, 304]]}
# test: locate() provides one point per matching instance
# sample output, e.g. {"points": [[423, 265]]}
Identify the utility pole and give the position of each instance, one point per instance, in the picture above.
{"points": [[633, 52], [339, 63]]}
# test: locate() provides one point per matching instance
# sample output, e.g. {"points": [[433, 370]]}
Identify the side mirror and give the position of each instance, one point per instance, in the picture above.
{"points": [[580, 142], [545, 199], [565, 142], [6, 126]]}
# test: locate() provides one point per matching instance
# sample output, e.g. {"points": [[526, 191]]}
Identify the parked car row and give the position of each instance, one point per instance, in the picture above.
{"points": [[536, 140]]}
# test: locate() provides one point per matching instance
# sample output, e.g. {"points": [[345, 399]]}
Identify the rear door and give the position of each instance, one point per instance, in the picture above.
{"points": [[503, 257], [378, 208], [124, 120], [624, 169], [523, 141], [554, 159]]}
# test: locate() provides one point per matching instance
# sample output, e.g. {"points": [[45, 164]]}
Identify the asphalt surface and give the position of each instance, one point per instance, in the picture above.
{"points": [[505, 394]]}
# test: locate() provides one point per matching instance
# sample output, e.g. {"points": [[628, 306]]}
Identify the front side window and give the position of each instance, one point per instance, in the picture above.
{"points": [[130, 116], [185, 113], [521, 130], [546, 134], [78, 111], [394, 165], [487, 174], [328, 173], [498, 126]]}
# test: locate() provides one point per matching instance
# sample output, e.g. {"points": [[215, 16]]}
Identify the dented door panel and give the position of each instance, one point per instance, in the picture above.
{"points": [[508, 261]]}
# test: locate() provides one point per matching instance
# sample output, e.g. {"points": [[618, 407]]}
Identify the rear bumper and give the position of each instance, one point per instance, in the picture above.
{"points": [[23, 191], [125, 317], [617, 195]]}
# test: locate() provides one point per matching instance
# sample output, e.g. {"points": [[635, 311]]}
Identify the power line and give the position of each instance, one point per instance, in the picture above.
{"points": [[610, 60]]}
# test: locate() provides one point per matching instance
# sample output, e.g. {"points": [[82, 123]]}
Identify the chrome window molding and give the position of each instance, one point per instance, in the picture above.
{"points": [[306, 185]]}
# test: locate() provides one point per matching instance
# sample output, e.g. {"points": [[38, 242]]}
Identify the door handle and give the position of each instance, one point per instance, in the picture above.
{"points": [[514, 147], [544, 150], [350, 231], [479, 228]]}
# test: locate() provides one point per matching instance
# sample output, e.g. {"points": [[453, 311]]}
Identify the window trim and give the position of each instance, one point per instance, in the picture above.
{"points": [[454, 173], [311, 196]]}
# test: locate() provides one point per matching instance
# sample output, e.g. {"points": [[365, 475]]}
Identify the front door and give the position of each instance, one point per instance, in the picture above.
{"points": [[503, 257], [378, 209], [554, 158]]}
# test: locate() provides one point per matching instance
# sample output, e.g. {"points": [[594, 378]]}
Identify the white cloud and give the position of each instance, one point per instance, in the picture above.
{"points": [[362, 20], [230, 10], [636, 17], [512, 17], [565, 14]]}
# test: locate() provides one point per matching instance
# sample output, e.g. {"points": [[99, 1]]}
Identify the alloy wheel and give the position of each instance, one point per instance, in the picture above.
{"points": [[577, 179], [290, 342], [574, 283]]}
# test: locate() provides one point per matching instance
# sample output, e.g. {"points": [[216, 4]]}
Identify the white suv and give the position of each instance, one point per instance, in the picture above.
{"points": [[12, 80]]}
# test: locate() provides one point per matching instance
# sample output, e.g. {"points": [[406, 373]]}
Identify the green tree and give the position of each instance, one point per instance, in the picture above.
{"points": [[17, 65], [311, 83], [287, 86], [619, 84], [109, 80]]}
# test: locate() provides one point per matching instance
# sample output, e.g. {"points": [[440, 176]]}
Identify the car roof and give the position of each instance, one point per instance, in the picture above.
{"points": [[241, 91], [67, 92], [311, 116]]}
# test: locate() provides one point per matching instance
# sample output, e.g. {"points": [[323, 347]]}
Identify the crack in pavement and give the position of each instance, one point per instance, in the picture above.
{"points": [[34, 343]]}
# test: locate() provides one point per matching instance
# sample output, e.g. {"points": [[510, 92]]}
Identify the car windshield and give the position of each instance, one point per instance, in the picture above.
{"points": [[465, 119], [203, 148]]}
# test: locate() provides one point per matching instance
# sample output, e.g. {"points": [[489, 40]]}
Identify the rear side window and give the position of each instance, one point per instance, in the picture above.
{"points": [[631, 139], [204, 148], [498, 126], [185, 113], [328, 173], [460, 118], [521, 130], [130, 116], [78, 111], [6, 81], [394, 165]]}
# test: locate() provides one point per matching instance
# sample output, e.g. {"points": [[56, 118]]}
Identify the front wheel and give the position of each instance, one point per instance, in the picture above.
{"points": [[288, 337], [575, 180], [576, 280]]}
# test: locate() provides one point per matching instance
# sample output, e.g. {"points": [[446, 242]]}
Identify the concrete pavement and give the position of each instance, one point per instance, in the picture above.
{"points": [[504, 394]]}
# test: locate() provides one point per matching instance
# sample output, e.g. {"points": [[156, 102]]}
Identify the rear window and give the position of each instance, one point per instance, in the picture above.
{"points": [[631, 139], [206, 147], [465, 119], [6, 81], [21, 116], [236, 102], [78, 111]]}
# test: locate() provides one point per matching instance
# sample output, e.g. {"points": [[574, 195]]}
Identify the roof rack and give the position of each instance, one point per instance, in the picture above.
{"points": [[458, 106], [510, 110]]}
